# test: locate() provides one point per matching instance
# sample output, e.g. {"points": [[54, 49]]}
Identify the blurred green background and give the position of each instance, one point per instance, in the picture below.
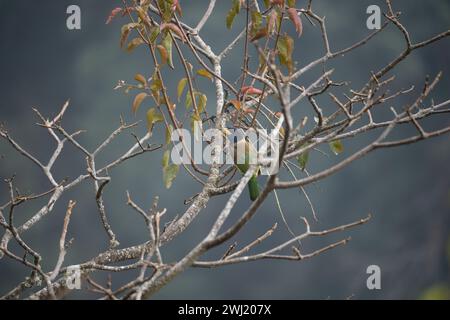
{"points": [[407, 189]]}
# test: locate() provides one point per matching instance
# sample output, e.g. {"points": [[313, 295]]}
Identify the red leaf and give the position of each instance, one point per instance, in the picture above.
{"points": [[251, 90], [174, 28], [279, 2], [295, 18], [128, 10], [272, 22], [113, 13], [176, 7], [260, 34], [249, 111]]}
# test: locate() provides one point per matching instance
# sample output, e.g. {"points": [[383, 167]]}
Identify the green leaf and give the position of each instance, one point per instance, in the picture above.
{"points": [[336, 146], [200, 98], [203, 99], [303, 160], [165, 7], [234, 11], [180, 88], [153, 116], [169, 130], [256, 21], [169, 174], [165, 159], [138, 101], [167, 44], [154, 32], [188, 100], [291, 3], [156, 87], [205, 73], [285, 48]]}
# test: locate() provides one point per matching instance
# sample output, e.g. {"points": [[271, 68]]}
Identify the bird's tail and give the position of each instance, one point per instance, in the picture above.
{"points": [[253, 188]]}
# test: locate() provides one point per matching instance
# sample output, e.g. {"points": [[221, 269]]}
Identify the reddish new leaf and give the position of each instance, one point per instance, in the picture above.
{"points": [[251, 90], [112, 15], [176, 7], [273, 22], [138, 101], [249, 111], [260, 34], [174, 28], [163, 52], [295, 18], [279, 2]]}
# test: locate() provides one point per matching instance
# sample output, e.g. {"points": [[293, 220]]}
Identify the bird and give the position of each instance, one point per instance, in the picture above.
{"points": [[244, 154]]}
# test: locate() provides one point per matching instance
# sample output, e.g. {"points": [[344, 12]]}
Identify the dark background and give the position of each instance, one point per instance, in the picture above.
{"points": [[407, 189]]}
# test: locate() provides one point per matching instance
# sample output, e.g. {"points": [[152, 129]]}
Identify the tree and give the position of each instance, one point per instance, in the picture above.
{"points": [[265, 97]]}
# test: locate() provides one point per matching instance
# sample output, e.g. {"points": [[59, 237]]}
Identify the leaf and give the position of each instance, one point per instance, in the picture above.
{"points": [[125, 31], [251, 90], [167, 44], [303, 160], [180, 88], [176, 7], [278, 2], [138, 101], [260, 34], [165, 158], [153, 116], [205, 73], [336, 146], [249, 110], [134, 43], [256, 21], [113, 14], [236, 104], [169, 130], [273, 21], [173, 27], [234, 11], [156, 85], [143, 16], [291, 3], [188, 100], [165, 7], [169, 174], [163, 53], [285, 48], [295, 18], [203, 99], [154, 33], [140, 78]]}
